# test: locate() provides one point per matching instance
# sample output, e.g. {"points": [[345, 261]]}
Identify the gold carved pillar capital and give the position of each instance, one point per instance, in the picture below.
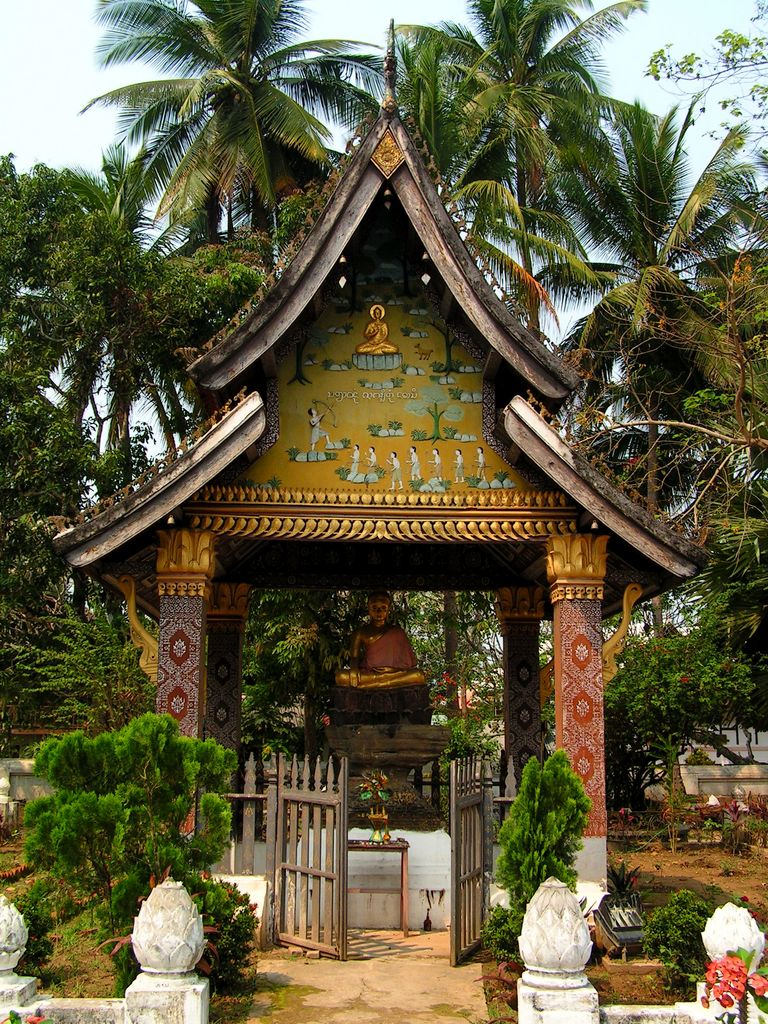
{"points": [[228, 603], [185, 562], [518, 604], [576, 566]]}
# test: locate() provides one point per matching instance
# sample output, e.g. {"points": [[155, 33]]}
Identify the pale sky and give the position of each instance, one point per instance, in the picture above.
{"points": [[48, 70]]}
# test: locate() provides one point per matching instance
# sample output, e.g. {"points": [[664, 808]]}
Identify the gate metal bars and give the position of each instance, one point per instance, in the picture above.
{"points": [[471, 853], [310, 866]]}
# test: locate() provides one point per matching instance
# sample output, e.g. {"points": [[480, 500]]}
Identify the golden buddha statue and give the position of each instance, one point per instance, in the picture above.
{"points": [[377, 335], [381, 655]]}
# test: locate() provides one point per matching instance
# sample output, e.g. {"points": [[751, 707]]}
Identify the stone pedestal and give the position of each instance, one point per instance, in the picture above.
{"points": [[406, 705], [555, 946], [367, 361], [15, 991], [160, 999]]}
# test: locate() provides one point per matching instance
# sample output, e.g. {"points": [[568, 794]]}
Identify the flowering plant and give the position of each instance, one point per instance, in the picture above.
{"points": [[728, 980], [16, 1018], [374, 786]]}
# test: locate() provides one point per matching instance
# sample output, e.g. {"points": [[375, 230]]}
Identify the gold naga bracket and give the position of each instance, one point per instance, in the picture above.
{"points": [[140, 636], [615, 644], [612, 647]]}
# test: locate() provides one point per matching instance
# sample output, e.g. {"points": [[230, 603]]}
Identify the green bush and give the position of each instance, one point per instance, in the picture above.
{"points": [[232, 916], [500, 933], [119, 806], [35, 907], [673, 935]]}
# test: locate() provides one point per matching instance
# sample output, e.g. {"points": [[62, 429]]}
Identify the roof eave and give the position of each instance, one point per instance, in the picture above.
{"points": [[232, 436], [675, 556]]}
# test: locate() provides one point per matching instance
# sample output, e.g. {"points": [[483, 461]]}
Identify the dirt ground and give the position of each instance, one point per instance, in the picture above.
{"points": [[709, 870]]}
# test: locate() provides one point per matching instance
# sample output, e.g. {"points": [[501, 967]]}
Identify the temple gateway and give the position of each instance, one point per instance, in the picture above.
{"points": [[380, 420]]}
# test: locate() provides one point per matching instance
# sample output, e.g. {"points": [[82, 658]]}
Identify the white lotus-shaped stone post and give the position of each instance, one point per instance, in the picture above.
{"points": [[13, 936], [168, 932], [731, 928], [555, 946], [13, 942], [168, 941]]}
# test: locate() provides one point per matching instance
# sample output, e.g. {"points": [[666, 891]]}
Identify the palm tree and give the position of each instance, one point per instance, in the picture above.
{"points": [[643, 344], [536, 79], [239, 111]]}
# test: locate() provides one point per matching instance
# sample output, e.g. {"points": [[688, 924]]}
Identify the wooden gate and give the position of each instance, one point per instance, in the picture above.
{"points": [[310, 855], [471, 853]]}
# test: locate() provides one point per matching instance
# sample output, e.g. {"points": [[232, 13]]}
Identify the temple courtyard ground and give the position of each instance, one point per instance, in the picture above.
{"points": [[387, 979]]}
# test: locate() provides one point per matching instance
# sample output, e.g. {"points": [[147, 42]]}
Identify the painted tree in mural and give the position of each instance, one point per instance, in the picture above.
{"points": [[435, 403]]}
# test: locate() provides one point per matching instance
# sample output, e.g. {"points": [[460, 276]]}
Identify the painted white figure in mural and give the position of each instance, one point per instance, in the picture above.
{"points": [[371, 458], [397, 473], [480, 463], [316, 429], [437, 465], [458, 467], [354, 466], [413, 461]]}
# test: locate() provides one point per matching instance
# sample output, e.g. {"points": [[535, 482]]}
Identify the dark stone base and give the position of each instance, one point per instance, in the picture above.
{"points": [[406, 704]]}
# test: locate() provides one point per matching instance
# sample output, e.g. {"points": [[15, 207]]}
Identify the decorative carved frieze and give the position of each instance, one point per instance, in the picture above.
{"points": [[576, 567], [388, 156], [224, 495], [411, 529], [516, 604]]}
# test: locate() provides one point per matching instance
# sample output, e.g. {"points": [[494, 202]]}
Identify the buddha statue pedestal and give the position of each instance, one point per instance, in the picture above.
{"points": [[395, 748], [381, 714]]}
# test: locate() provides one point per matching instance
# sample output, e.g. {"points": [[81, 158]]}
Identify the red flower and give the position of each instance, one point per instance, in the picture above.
{"points": [[759, 984], [727, 980]]}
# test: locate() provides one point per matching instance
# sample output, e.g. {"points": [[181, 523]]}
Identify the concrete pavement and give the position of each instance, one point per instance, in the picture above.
{"points": [[387, 980]]}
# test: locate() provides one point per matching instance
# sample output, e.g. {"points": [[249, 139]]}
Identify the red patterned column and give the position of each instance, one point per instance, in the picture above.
{"points": [[185, 563], [519, 611], [576, 571], [226, 621]]}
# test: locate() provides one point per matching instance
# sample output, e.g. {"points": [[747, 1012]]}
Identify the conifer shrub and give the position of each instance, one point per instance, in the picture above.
{"points": [[115, 822], [539, 839]]}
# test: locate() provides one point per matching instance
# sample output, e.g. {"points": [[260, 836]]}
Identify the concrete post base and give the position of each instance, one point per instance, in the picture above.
{"points": [[561, 1005], [16, 991], [162, 998]]}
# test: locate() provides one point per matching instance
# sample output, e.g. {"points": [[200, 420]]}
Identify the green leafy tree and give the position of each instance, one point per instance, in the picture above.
{"points": [[120, 803], [653, 230], [82, 673], [673, 690], [527, 78], [236, 122], [733, 70]]}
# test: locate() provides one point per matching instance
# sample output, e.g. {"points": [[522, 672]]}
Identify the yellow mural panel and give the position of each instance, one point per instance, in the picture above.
{"points": [[385, 398]]}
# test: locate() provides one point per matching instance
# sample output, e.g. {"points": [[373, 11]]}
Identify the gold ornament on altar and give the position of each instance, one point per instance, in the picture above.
{"points": [[374, 789]]}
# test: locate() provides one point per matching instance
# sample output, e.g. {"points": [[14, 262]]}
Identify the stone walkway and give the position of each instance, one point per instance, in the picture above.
{"points": [[387, 980]]}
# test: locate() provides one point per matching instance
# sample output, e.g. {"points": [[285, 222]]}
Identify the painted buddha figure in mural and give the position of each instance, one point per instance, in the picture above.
{"points": [[381, 656], [376, 334]]}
